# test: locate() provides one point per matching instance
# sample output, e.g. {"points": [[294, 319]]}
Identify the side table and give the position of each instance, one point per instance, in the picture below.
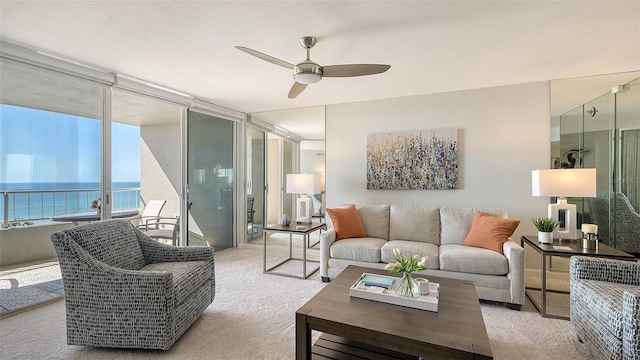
{"points": [[563, 248], [294, 229]]}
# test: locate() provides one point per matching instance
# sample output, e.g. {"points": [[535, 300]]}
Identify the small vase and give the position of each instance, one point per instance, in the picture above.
{"points": [[545, 237], [407, 287], [285, 220]]}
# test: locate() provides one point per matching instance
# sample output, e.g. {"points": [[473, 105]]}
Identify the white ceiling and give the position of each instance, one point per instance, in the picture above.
{"points": [[432, 46]]}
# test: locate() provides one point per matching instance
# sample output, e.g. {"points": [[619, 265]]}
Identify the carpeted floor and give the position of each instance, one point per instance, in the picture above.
{"points": [[252, 317]]}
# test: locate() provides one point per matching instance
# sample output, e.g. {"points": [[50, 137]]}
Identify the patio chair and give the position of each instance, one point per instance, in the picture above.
{"points": [[125, 290], [150, 214], [165, 228], [250, 212]]}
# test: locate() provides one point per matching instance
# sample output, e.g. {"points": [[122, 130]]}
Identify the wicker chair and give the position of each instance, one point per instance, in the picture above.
{"points": [[125, 290], [605, 306]]}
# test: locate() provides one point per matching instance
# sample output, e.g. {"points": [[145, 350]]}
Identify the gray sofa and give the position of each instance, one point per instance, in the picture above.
{"points": [[437, 232], [125, 290], [605, 306]]}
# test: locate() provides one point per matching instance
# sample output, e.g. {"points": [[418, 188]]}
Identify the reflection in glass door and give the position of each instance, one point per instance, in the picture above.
{"points": [[256, 181], [210, 181], [289, 166]]}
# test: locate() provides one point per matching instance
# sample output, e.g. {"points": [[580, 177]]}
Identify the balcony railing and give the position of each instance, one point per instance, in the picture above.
{"points": [[21, 206]]}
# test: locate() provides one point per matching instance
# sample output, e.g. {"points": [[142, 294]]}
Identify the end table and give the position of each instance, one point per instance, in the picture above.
{"points": [[563, 248]]}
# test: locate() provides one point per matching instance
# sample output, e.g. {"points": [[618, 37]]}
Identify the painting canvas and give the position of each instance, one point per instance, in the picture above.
{"points": [[415, 160]]}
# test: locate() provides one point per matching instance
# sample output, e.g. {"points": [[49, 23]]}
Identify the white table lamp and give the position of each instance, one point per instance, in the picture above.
{"points": [[564, 183], [303, 184]]}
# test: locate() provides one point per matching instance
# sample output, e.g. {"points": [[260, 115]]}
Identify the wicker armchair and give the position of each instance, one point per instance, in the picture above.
{"points": [[125, 290], [605, 306]]}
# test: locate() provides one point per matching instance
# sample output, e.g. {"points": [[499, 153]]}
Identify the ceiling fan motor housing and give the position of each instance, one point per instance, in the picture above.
{"points": [[307, 72]]}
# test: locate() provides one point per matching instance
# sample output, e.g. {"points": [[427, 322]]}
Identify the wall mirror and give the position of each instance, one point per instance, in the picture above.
{"points": [[595, 123]]}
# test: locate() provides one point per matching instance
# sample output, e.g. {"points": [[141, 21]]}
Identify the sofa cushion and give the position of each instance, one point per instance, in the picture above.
{"points": [[456, 222], [415, 223], [490, 232], [346, 222], [472, 260], [409, 249], [359, 249], [375, 220], [187, 275], [603, 301]]}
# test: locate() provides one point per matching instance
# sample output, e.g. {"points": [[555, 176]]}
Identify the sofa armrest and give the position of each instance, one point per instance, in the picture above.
{"points": [[515, 257], [631, 324], [327, 238], [156, 252], [610, 270]]}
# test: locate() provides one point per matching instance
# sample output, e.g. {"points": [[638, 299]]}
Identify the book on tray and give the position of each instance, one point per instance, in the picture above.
{"points": [[378, 280]]}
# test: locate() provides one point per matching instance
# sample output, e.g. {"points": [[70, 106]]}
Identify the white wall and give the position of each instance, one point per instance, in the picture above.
{"points": [[503, 134], [28, 244], [161, 166], [312, 162]]}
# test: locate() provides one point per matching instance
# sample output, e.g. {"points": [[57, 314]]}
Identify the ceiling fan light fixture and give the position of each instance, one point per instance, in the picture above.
{"points": [[307, 73], [307, 78]]}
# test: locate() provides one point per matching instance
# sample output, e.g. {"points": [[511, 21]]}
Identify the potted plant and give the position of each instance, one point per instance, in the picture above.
{"points": [[545, 226]]}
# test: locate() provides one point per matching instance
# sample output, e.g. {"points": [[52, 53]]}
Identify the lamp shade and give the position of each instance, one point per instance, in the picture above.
{"points": [[564, 182], [303, 183]]}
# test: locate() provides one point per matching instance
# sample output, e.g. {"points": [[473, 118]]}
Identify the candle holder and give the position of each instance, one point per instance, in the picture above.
{"points": [[590, 241], [589, 237]]}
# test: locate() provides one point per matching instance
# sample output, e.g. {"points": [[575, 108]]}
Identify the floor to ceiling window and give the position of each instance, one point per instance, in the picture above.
{"points": [[75, 139], [50, 143], [146, 145]]}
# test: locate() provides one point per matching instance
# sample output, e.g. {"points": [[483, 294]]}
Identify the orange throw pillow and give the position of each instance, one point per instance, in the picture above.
{"points": [[490, 232], [346, 222]]}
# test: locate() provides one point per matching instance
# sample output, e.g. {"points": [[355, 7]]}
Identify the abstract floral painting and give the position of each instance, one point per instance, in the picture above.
{"points": [[415, 160]]}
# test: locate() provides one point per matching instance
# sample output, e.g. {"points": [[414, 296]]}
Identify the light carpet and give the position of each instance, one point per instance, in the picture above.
{"points": [[253, 317]]}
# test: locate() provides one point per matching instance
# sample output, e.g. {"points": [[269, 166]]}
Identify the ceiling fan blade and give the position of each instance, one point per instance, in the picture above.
{"points": [[265, 57], [353, 70], [296, 89]]}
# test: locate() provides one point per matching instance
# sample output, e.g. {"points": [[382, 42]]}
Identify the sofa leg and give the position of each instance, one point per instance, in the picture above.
{"points": [[326, 279], [516, 307]]}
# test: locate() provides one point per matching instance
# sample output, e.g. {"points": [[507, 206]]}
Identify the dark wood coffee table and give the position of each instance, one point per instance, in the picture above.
{"points": [[456, 331]]}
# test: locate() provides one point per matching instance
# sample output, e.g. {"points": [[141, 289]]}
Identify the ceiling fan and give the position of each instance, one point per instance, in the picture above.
{"points": [[308, 72]]}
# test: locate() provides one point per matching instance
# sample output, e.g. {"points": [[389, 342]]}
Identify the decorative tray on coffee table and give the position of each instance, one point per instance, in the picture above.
{"points": [[387, 295]]}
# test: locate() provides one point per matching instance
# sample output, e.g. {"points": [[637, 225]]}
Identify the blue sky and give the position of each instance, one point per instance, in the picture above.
{"points": [[43, 146]]}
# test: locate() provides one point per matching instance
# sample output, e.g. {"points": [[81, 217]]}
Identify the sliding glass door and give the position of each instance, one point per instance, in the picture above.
{"points": [[210, 181]]}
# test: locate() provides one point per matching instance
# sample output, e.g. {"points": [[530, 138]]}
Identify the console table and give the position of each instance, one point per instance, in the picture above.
{"points": [[563, 248], [293, 229]]}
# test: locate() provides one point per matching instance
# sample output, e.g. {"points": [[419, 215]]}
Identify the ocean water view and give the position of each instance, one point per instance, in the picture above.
{"points": [[37, 202]]}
